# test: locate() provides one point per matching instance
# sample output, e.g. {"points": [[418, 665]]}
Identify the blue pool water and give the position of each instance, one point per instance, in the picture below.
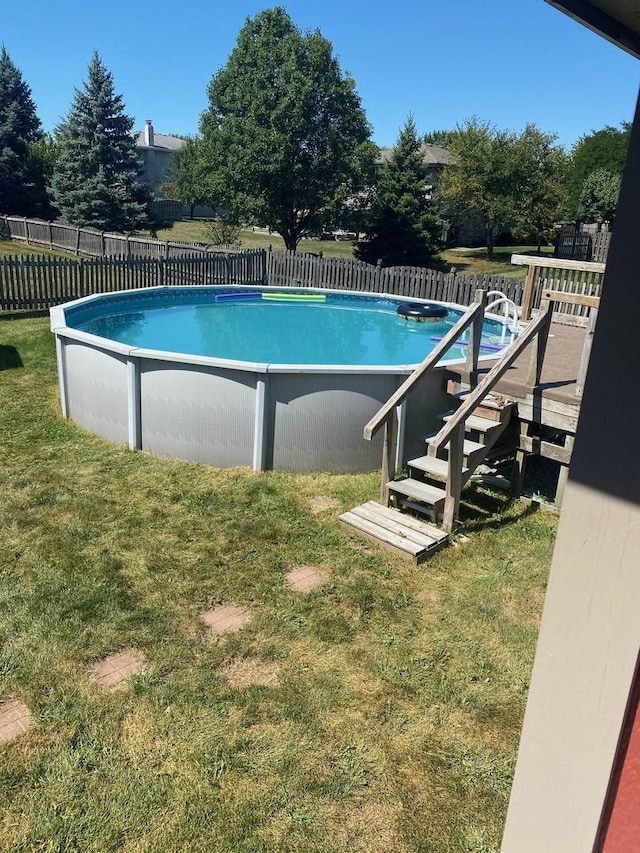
{"points": [[343, 330]]}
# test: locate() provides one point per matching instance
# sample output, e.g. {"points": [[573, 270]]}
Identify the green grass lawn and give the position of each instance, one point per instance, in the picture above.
{"points": [[17, 247], [381, 712], [467, 261]]}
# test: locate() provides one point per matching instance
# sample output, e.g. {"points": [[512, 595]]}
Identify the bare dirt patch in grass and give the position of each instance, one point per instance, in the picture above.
{"points": [[322, 503], [305, 578], [249, 672], [111, 672], [225, 618], [367, 826]]}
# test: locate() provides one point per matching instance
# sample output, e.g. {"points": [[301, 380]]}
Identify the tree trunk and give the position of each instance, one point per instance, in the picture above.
{"points": [[290, 241], [490, 241]]}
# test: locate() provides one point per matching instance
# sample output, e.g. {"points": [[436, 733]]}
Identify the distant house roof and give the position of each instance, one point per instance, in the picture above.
{"points": [[433, 155], [148, 138]]}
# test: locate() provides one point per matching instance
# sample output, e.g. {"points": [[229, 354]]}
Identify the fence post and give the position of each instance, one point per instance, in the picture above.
{"points": [[77, 240], [161, 276], [102, 245], [26, 229], [50, 236], [81, 277]]}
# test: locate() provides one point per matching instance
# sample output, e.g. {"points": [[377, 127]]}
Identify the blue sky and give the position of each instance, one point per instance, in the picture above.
{"points": [[506, 61]]}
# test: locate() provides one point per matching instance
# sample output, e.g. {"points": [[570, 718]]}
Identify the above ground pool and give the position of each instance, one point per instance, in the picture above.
{"points": [[268, 377]]}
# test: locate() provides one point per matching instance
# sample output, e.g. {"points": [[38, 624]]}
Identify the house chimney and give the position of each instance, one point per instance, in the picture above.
{"points": [[148, 133]]}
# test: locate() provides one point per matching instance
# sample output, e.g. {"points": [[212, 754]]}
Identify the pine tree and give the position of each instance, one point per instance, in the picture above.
{"points": [[96, 180], [19, 126], [403, 224]]}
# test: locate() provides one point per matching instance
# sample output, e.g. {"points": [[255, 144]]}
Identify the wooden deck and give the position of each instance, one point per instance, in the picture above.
{"points": [[553, 402]]}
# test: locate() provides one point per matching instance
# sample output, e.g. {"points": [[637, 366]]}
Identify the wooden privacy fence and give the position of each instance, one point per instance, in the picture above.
{"points": [[286, 269], [583, 243], [36, 282], [88, 242]]}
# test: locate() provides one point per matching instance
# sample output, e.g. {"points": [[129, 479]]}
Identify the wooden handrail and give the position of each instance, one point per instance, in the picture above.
{"points": [[558, 263], [534, 328], [536, 263], [475, 310], [571, 298]]}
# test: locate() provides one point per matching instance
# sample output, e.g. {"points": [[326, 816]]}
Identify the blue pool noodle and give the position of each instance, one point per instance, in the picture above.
{"points": [[243, 294], [494, 347]]}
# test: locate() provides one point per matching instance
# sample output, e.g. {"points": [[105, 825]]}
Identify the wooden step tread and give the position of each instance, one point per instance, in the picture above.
{"points": [[394, 531], [423, 492], [432, 465], [491, 401], [409, 522], [470, 447], [475, 422]]}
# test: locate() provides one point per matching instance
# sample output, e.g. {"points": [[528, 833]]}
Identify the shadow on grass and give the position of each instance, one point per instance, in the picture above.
{"points": [[484, 510], [9, 358]]}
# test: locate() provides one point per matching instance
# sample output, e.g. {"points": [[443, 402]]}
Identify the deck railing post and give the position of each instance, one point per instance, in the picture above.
{"points": [[586, 352], [388, 455], [454, 478], [540, 346], [529, 288], [475, 335]]}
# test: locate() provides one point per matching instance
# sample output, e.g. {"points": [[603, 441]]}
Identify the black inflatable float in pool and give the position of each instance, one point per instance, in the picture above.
{"points": [[421, 312]]}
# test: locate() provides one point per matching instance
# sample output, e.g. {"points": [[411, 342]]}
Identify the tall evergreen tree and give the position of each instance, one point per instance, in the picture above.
{"points": [[96, 180], [404, 224], [19, 126]]}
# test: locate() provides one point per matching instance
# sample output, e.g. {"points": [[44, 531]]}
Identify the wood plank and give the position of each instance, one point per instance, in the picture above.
{"points": [[395, 526], [381, 533], [408, 520], [532, 444], [556, 263], [470, 447], [571, 298], [476, 423], [430, 495], [433, 466]]}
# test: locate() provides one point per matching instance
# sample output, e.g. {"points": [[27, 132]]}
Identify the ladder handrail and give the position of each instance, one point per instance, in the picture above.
{"points": [[534, 328], [422, 369]]}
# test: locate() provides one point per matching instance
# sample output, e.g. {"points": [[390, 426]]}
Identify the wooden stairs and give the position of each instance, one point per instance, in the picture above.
{"points": [[468, 434], [424, 489], [395, 531]]}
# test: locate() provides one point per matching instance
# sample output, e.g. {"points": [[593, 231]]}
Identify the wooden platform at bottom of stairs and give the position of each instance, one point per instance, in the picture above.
{"points": [[395, 531]]}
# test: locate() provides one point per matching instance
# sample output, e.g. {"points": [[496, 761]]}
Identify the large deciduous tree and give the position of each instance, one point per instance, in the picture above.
{"points": [[285, 134], [186, 178], [513, 181], [96, 180], [403, 222], [19, 127], [540, 171], [599, 197], [600, 149], [483, 180]]}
